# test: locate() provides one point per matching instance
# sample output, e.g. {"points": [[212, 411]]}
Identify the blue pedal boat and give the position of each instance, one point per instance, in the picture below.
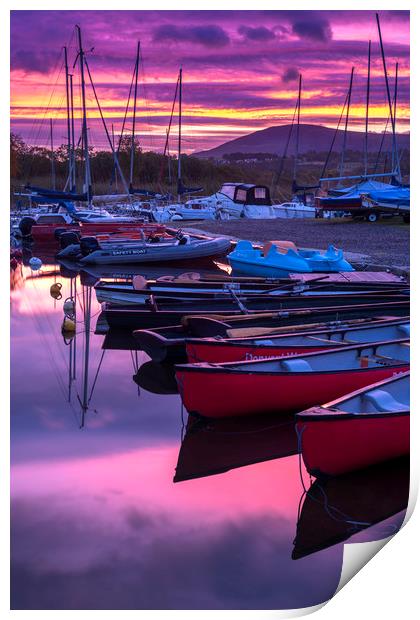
{"points": [[279, 258]]}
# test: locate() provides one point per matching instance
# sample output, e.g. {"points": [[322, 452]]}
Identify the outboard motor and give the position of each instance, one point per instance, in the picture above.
{"points": [[88, 245], [58, 232], [25, 225], [69, 238]]}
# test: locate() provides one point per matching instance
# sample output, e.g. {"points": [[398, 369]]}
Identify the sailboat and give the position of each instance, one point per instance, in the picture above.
{"points": [[196, 209], [367, 197], [298, 207]]}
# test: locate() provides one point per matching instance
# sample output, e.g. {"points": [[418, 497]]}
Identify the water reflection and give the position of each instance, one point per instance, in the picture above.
{"points": [[97, 521], [335, 509]]}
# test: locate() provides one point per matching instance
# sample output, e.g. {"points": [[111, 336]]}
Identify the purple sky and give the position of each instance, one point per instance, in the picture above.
{"points": [[240, 69]]}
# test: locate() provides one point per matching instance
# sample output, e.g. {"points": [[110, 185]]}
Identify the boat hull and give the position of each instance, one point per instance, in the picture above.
{"points": [[145, 317], [151, 253], [218, 392], [215, 352], [346, 443]]}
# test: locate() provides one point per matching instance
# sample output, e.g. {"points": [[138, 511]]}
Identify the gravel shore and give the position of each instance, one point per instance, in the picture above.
{"points": [[386, 242]]}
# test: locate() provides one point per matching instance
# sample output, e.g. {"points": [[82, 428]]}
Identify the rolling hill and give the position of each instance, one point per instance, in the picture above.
{"points": [[312, 138]]}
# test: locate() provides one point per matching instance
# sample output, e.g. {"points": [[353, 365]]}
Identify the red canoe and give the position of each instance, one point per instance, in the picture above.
{"points": [[287, 385], [364, 428], [249, 349]]}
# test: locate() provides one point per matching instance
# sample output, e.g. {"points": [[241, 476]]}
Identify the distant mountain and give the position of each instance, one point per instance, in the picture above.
{"points": [[311, 138]]}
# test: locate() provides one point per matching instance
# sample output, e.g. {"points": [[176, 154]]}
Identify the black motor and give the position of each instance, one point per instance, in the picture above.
{"points": [[69, 238], [89, 245], [58, 232], [25, 225]]}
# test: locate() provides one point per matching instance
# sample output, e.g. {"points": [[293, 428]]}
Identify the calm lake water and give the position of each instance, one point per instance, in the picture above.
{"points": [[98, 521]]}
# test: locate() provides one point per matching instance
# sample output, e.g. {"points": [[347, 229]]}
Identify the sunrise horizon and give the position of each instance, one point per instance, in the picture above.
{"points": [[240, 71]]}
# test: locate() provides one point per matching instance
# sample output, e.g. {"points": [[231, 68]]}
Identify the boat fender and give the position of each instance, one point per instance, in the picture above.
{"points": [[55, 290], [69, 307], [139, 283], [68, 326], [35, 263]]}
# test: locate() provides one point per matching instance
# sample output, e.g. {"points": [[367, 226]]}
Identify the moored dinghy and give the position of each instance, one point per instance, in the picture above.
{"points": [[170, 311], [279, 258], [177, 249], [287, 385], [361, 429], [238, 349], [191, 285], [168, 343]]}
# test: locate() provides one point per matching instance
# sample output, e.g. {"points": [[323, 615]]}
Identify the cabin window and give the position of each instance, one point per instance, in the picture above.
{"points": [[228, 190], [260, 192], [241, 195]]}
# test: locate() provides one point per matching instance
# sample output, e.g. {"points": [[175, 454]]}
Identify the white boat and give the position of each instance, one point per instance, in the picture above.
{"points": [[235, 200], [293, 210], [195, 209]]}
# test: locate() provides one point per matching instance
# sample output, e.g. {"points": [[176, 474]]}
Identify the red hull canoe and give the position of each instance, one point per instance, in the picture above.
{"points": [[336, 441], [218, 350], [249, 388]]}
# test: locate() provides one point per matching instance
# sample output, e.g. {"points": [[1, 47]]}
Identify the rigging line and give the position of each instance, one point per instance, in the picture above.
{"points": [[322, 175], [146, 100], [126, 111], [297, 129], [96, 376], [36, 121], [117, 163], [286, 147], [166, 149], [38, 323], [343, 152], [381, 145], [34, 140]]}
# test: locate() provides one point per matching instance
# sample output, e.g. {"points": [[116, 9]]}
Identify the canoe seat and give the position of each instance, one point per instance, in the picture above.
{"points": [[383, 401], [294, 365], [281, 246], [265, 342]]}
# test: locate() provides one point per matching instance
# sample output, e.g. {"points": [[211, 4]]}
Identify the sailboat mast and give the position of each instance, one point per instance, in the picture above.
{"points": [[367, 110], [88, 187], [115, 167], [69, 158], [297, 129], [388, 93], [73, 157], [346, 123], [52, 156], [395, 157], [133, 132], [179, 133]]}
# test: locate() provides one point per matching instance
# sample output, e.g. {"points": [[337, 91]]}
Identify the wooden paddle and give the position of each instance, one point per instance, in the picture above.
{"points": [[249, 332]]}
